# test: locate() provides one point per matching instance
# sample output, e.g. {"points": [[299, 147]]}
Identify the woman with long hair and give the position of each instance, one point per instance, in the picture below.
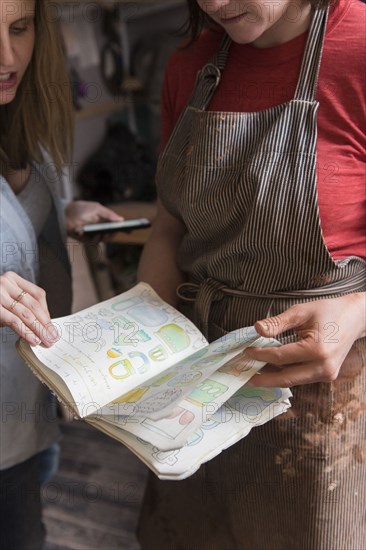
{"points": [[35, 277]]}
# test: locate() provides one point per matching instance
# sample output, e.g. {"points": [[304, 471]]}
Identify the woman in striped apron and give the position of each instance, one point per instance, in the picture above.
{"points": [[239, 226]]}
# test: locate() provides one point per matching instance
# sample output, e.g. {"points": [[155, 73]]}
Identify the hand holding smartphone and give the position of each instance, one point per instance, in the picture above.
{"points": [[112, 227]]}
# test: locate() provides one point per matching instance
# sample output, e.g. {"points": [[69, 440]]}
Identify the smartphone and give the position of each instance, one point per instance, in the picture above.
{"points": [[110, 227]]}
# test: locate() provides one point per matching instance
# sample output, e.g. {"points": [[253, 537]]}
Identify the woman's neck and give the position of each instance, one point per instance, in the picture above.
{"points": [[286, 29]]}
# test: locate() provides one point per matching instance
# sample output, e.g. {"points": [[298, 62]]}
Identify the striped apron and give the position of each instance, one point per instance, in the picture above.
{"points": [[244, 184]]}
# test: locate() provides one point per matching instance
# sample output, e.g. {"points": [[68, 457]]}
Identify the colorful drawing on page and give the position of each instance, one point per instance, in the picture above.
{"points": [[185, 379], [121, 305], [104, 324], [132, 396], [162, 379], [237, 365], [217, 418], [165, 457], [198, 355], [122, 322], [170, 427], [124, 368], [114, 352], [121, 369], [191, 331], [207, 362], [158, 353], [127, 332], [148, 315], [249, 404], [186, 364], [183, 416], [195, 438], [206, 392], [221, 416], [175, 338], [142, 336], [128, 338], [140, 361], [158, 401], [235, 339], [265, 394]]}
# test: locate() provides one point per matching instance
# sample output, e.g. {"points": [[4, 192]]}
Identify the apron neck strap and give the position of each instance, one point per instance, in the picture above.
{"points": [[221, 56], [209, 76], [308, 79]]}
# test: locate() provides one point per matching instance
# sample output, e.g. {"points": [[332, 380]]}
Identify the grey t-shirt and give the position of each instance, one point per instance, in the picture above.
{"points": [[28, 423], [54, 273]]}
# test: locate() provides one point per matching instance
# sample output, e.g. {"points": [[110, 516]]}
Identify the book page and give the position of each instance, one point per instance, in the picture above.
{"points": [[184, 417], [248, 408], [224, 355], [157, 397], [115, 346]]}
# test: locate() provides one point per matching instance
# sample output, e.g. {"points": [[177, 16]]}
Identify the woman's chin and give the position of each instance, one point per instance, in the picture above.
{"points": [[7, 96]]}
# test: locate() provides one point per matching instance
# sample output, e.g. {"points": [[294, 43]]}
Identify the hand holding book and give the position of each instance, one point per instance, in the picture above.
{"points": [[137, 369]]}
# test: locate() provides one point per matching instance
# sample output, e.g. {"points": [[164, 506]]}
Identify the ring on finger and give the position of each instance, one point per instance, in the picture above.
{"points": [[12, 306], [17, 300], [21, 295]]}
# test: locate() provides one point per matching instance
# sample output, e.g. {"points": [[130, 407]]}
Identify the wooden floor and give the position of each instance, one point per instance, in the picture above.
{"points": [[93, 502]]}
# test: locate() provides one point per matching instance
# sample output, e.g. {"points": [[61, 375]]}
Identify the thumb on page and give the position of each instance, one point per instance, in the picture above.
{"points": [[288, 320]]}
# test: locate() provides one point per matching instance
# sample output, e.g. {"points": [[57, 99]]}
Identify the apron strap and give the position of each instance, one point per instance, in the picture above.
{"points": [[208, 78], [203, 296], [221, 56], [308, 79], [210, 290]]}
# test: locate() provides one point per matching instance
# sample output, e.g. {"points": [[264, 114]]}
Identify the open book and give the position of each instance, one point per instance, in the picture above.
{"points": [[138, 370]]}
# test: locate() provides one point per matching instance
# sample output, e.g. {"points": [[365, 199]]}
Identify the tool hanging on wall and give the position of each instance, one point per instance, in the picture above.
{"points": [[115, 61]]}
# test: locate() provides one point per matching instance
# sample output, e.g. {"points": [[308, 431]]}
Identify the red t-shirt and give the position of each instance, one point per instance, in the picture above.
{"points": [[255, 79]]}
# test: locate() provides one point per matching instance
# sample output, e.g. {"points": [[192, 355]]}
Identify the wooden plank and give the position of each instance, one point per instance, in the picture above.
{"points": [[94, 500]]}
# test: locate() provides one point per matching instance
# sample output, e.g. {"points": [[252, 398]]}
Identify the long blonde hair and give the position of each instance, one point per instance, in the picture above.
{"points": [[40, 116]]}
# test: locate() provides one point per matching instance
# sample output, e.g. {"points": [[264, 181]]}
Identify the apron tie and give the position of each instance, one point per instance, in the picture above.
{"points": [[211, 290], [203, 295], [191, 292]]}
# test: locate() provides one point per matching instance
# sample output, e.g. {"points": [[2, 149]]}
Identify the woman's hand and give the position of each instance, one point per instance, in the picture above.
{"points": [[23, 308], [326, 329], [79, 213]]}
